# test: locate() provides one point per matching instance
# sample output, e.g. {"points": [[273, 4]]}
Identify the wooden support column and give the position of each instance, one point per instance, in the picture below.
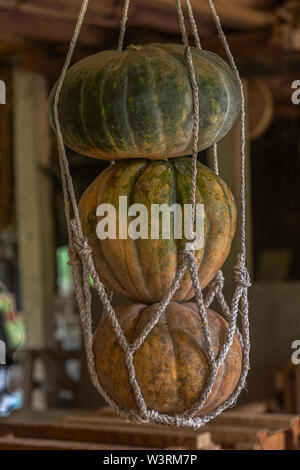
{"points": [[33, 199], [229, 169]]}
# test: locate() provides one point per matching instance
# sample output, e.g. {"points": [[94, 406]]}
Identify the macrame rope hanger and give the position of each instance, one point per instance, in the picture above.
{"points": [[83, 266]]}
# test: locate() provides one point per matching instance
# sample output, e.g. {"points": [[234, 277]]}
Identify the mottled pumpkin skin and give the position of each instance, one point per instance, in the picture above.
{"points": [[143, 269], [138, 103], [171, 366]]}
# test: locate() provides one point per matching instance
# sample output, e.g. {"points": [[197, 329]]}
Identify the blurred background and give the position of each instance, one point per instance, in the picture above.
{"points": [[39, 322]]}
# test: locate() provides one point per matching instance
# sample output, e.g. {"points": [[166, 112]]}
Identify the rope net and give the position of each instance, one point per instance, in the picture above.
{"points": [[83, 266]]}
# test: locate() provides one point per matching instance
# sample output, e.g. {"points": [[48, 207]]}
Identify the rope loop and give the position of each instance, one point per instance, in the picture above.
{"points": [[217, 283]]}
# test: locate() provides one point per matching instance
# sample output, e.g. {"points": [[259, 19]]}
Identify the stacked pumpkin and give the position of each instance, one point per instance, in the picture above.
{"points": [[135, 107]]}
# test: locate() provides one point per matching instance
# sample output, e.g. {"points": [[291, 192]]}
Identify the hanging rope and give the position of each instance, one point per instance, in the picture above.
{"points": [[83, 266]]}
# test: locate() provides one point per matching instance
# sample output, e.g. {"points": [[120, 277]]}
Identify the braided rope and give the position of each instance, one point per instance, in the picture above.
{"points": [[83, 265]]}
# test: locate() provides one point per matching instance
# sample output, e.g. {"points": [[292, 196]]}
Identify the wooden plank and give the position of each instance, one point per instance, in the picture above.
{"points": [[230, 435], [265, 420], [32, 150], [107, 434], [261, 439], [158, 14], [52, 18], [204, 440], [243, 420], [50, 29], [234, 16], [271, 441], [15, 443]]}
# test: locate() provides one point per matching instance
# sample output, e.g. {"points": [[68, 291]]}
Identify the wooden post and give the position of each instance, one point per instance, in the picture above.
{"points": [[33, 199], [229, 169]]}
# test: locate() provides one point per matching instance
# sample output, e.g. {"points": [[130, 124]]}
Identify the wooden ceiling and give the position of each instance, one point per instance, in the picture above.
{"points": [[257, 29], [53, 20]]}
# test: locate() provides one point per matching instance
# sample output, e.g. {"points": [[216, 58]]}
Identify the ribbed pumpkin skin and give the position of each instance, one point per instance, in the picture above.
{"points": [[138, 103], [171, 366], [143, 269]]}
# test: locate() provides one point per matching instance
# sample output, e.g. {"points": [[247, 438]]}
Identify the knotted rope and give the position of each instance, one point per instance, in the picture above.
{"points": [[83, 266]]}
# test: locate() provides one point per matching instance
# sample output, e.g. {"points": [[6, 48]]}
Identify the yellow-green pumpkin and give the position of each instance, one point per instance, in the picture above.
{"points": [[137, 103], [171, 366], [143, 269]]}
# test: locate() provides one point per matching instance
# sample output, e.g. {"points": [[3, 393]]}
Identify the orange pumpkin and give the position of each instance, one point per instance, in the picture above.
{"points": [[143, 269], [171, 365]]}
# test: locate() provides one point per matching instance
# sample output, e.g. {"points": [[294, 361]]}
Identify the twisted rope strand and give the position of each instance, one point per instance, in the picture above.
{"points": [[193, 24], [225, 44], [123, 24]]}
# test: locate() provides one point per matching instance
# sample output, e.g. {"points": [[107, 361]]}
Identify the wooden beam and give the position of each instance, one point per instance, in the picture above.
{"points": [[158, 14], [33, 200], [130, 435], [233, 16], [21, 443], [14, 24]]}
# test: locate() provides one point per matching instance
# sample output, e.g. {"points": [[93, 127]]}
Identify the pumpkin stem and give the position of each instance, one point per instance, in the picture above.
{"points": [[135, 48]]}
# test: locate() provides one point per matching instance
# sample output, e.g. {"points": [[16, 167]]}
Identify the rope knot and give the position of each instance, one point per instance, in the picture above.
{"points": [[80, 242], [188, 255], [73, 257], [217, 283], [83, 248], [241, 274]]}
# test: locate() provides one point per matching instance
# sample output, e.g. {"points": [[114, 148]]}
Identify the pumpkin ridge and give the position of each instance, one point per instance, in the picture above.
{"points": [[181, 392], [101, 95], [99, 245], [223, 369], [113, 65], [175, 354], [89, 195], [229, 201], [103, 251], [179, 64], [219, 324], [175, 201], [126, 114], [157, 261], [87, 71], [145, 292], [222, 78], [136, 245], [87, 137], [121, 145], [158, 111]]}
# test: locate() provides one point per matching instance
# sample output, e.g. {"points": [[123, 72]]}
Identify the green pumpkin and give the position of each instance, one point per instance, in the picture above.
{"points": [[143, 269], [138, 103]]}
